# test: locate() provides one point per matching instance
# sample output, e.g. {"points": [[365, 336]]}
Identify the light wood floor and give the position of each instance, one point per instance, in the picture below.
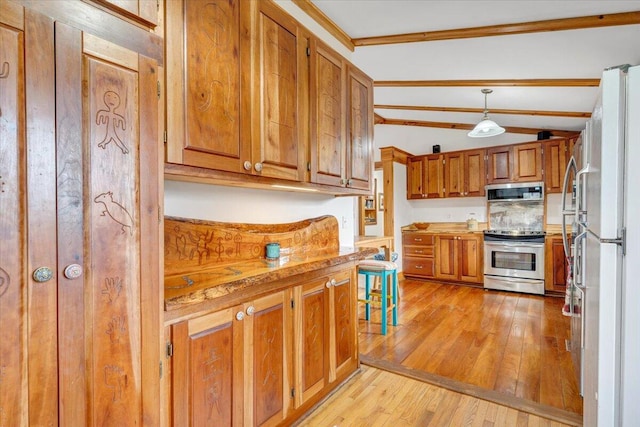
{"points": [[506, 342], [379, 398]]}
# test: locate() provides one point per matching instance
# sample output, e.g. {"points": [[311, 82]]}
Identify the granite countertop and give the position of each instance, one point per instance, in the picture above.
{"points": [[443, 227], [183, 290]]}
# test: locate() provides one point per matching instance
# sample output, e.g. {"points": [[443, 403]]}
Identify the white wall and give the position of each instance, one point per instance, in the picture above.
{"points": [[230, 204]]}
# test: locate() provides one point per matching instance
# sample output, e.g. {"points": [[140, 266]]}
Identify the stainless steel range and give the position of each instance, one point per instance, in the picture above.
{"points": [[514, 242]]}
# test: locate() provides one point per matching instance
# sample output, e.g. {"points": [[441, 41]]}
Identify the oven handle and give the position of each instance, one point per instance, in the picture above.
{"points": [[517, 279], [515, 245]]}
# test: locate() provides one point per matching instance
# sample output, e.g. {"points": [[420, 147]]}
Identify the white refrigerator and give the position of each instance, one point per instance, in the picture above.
{"points": [[606, 253]]}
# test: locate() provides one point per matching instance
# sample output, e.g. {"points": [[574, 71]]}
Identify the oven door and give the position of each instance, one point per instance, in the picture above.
{"points": [[514, 259]]}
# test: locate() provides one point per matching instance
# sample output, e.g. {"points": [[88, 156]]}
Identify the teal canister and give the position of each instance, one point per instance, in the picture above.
{"points": [[272, 250]]}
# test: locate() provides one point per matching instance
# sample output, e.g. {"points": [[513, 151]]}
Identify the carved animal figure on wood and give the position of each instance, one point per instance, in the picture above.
{"points": [[116, 211]]}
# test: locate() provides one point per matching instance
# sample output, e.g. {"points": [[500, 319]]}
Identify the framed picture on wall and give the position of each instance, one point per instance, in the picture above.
{"points": [[380, 202]]}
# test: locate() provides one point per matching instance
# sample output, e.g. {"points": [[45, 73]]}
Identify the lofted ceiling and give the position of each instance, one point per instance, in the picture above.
{"points": [[546, 79]]}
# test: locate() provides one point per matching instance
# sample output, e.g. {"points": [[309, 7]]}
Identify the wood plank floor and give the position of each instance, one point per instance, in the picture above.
{"points": [[509, 343], [376, 397]]}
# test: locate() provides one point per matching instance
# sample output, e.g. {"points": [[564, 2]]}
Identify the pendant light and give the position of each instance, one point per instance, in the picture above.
{"points": [[486, 127]]}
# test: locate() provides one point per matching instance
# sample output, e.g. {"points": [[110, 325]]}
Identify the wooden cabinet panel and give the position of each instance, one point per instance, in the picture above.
{"points": [[527, 162], [555, 265], [471, 258], [557, 153], [233, 365], [343, 353], [447, 257], [208, 84], [143, 11], [500, 165], [415, 177], [434, 176], [475, 177], [360, 130], [454, 175], [421, 267], [280, 145], [328, 131], [459, 257], [418, 254]]}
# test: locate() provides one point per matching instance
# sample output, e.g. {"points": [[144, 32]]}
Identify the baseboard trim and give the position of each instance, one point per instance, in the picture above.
{"points": [[540, 410]]}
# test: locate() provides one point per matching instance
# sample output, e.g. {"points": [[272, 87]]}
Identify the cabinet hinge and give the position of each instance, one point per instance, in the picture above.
{"points": [[293, 304], [164, 136], [161, 369], [293, 393], [158, 86], [308, 51], [309, 166], [169, 349]]}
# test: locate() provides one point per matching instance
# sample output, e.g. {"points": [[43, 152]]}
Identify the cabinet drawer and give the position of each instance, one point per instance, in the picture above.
{"points": [[418, 251], [418, 267], [418, 239]]}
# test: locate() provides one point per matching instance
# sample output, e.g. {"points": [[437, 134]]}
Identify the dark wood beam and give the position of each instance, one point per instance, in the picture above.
{"points": [[489, 83], [582, 22], [574, 114]]}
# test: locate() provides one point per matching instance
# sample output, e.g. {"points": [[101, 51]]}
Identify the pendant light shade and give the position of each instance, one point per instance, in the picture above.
{"points": [[486, 127]]}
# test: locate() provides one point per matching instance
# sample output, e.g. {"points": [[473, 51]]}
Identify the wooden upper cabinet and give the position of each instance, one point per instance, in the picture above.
{"points": [[328, 116], [499, 165], [454, 174], [415, 177], [527, 162], [141, 11], [341, 121], [475, 175], [557, 153], [207, 66], [433, 176], [281, 84], [360, 129], [515, 163]]}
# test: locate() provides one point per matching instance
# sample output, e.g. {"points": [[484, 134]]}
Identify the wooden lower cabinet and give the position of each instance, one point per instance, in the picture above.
{"points": [[418, 255], [266, 361], [555, 265], [234, 365], [459, 257]]}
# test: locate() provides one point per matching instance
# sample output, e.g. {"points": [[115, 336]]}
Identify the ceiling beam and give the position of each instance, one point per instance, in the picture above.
{"points": [[464, 126], [489, 83], [573, 114], [325, 22], [582, 22]]}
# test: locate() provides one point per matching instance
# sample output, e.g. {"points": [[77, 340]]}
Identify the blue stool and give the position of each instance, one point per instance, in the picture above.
{"points": [[387, 271]]}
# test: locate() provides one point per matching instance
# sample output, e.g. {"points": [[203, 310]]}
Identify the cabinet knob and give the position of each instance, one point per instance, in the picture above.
{"points": [[239, 315], [250, 310], [73, 271], [258, 167], [42, 274], [247, 165]]}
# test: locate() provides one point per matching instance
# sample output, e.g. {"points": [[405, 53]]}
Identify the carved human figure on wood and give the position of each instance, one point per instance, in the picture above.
{"points": [[112, 121], [201, 241]]}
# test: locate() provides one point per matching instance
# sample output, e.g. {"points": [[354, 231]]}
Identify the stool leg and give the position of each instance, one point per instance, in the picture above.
{"points": [[367, 290], [394, 297], [383, 280]]}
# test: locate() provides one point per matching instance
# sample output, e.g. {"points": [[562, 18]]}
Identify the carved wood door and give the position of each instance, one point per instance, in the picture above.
{"points": [[85, 316], [359, 130]]}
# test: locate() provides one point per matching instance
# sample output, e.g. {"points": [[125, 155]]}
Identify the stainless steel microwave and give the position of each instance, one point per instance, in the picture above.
{"points": [[524, 191]]}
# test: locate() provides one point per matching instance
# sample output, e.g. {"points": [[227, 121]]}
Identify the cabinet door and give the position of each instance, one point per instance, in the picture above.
{"points": [[454, 174], [471, 260], [207, 367], [280, 83], [475, 175], [555, 265], [208, 84], [360, 130], [500, 165], [418, 266], [415, 177], [267, 347], [13, 281], [527, 162], [343, 326], [555, 163], [328, 116], [311, 339], [447, 258], [434, 176]]}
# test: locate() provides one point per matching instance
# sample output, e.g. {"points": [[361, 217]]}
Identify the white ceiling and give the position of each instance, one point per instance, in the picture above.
{"points": [[574, 54]]}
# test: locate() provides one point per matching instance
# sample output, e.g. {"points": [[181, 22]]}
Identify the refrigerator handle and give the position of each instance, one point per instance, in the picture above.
{"points": [[581, 214], [571, 166], [581, 290], [577, 264]]}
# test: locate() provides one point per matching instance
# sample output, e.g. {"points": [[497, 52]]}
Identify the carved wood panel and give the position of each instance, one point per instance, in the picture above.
{"points": [[361, 129], [280, 148], [12, 281]]}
